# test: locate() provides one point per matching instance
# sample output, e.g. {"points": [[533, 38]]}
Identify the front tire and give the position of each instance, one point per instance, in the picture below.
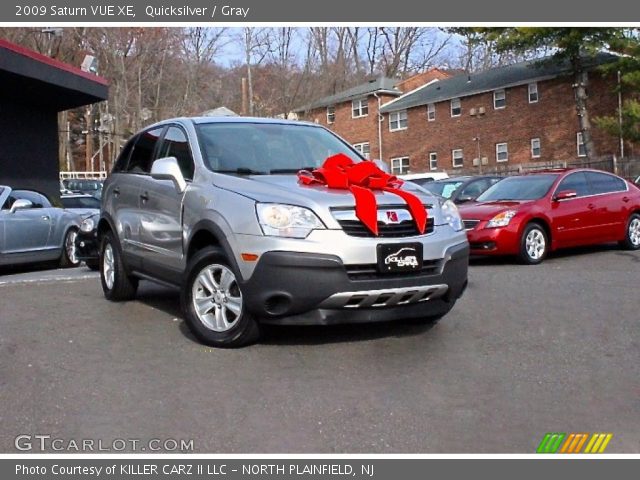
{"points": [[213, 304], [116, 284], [69, 257], [632, 237], [534, 244]]}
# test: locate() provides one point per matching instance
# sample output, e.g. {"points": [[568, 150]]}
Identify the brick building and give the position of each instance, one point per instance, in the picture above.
{"points": [[499, 118], [354, 113], [517, 114]]}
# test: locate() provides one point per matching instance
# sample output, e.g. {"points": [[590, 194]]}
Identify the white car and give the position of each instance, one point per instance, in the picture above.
{"points": [[424, 178]]}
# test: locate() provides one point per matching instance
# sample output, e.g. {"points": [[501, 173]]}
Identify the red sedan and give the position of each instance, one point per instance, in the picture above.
{"points": [[530, 215]]}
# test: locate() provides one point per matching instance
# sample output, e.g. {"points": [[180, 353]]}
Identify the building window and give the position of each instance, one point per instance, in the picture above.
{"points": [[360, 108], [502, 152], [363, 149], [457, 161], [535, 148], [331, 114], [433, 161], [533, 93], [398, 120], [431, 112], [456, 107], [580, 144], [499, 99], [400, 165]]}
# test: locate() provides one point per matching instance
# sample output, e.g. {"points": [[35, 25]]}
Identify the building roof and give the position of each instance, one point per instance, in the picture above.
{"points": [[502, 77], [30, 77], [220, 112], [376, 85]]}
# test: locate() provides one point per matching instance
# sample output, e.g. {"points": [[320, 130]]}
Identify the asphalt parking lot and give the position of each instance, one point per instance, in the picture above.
{"points": [[528, 350]]}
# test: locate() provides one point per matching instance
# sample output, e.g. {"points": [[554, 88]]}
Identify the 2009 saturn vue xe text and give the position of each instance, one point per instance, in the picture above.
{"points": [[272, 221]]}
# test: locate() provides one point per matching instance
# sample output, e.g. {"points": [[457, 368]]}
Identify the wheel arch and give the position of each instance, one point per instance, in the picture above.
{"points": [[206, 233]]}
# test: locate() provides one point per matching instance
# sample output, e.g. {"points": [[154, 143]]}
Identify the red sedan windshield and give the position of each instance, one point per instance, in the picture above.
{"points": [[526, 187]]}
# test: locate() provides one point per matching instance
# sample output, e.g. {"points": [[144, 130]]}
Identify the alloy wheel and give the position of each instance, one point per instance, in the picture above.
{"points": [[217, 299], [634, 231], [535, 244], [108, 266]]}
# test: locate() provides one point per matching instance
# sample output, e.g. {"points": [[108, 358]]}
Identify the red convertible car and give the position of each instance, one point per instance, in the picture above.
{"points": [[530, 215]]}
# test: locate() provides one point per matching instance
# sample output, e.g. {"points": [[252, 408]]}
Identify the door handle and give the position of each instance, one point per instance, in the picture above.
{"points": [[625, 199], [591, 206], [116, 191], [46, 218], [144, 196]]}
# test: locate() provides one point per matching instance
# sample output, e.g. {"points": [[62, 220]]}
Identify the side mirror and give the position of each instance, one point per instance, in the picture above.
{"points": [[564, 195], [382, 166], [464, 199], [168, 169], [20, 204]]}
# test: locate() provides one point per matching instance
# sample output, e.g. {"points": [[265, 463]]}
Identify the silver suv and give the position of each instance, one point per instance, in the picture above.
{"points": [[214, 206]]}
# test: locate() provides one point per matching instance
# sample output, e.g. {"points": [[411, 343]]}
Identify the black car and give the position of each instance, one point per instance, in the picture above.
{"points": [[85, 186], [87, 242], [462, 189]]}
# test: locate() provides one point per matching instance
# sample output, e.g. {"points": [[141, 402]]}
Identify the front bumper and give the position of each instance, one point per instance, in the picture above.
{"points": [[87, 245], [494, 241], [309, 288]]}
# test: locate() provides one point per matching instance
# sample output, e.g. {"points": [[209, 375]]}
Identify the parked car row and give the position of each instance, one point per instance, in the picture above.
{"points": [[82, 186]]}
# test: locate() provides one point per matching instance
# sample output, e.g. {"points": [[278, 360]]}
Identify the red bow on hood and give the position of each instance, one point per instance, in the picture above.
{"points": [[361, 179]]}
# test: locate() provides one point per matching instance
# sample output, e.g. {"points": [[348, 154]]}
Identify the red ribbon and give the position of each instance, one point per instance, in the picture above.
{"points": [[361, 179]]}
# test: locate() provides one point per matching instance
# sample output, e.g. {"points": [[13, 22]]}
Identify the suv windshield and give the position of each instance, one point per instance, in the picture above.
{"points": [[528, 187], [263, 148]]}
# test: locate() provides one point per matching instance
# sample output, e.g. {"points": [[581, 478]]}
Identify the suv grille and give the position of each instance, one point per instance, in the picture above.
{"points": [[407, 228]]}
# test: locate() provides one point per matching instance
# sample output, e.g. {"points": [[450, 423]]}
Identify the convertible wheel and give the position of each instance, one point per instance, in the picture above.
{"points": [[632, 239], [213, 304], [116, 284], [69, 257], [534, 244]]}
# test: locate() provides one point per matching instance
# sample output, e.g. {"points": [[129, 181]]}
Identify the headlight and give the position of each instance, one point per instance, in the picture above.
{"points": [[451, 215], [87, 225], [502, 219], [286, 220]]}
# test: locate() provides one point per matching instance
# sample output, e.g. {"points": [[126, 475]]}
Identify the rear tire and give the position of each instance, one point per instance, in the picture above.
{"points": [[212, 302], [69, 257], [534, 244], [116, 284], [632, 235]]}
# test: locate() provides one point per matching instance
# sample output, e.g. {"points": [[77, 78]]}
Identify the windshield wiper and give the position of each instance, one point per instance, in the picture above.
{"points": [[290, 170], [242, 171]]}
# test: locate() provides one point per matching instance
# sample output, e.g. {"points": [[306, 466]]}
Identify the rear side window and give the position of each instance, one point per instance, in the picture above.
{"points": [[576, 181], [175, 144], [603, 183], [142, 154]]}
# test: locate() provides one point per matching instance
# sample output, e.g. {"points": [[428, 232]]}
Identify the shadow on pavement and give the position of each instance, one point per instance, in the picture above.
{"points": [[562, 254], [168, 300]]}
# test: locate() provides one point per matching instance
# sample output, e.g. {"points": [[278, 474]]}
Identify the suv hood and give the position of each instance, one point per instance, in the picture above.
{"points": [[286, 189], [488, 210]]}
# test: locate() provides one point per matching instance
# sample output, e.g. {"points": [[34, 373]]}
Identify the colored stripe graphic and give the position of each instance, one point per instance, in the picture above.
{"points": [[573, 442], [551, 442], [598, 443]]}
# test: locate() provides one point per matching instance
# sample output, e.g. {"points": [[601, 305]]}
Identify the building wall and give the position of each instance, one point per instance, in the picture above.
{"points": [[353, 130], [29, 153], [552, 119]]}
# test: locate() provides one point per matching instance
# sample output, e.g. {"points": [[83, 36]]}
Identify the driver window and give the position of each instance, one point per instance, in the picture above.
{"points": [[175, 144], [576, 181]]}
